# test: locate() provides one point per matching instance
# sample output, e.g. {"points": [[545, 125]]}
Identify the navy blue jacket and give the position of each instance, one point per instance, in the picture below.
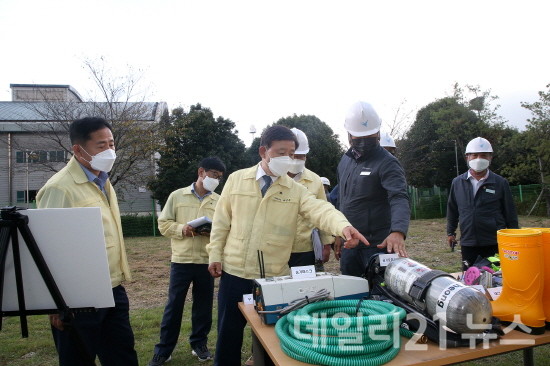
{"points": [[481, 216], [372, 194], [333, 196]]}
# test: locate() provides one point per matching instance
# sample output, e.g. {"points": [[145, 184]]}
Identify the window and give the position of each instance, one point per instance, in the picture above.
{"points": [[22, 196], [20, 157], [34, 156], [57, 156], [40, 156]]}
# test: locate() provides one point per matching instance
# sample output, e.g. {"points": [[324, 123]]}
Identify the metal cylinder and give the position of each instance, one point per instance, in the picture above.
{"points": [[460, 308]]}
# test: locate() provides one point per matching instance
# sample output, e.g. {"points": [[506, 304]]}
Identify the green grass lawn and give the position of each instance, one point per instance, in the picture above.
{"points": [[149, 260], [38, 349]]}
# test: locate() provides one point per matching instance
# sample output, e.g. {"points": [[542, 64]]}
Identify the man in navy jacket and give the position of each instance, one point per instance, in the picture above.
{"points": [[482, 202], [372, 192]]}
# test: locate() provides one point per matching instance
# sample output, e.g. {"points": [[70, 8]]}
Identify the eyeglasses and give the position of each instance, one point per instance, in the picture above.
{"points": [[214, 174]]}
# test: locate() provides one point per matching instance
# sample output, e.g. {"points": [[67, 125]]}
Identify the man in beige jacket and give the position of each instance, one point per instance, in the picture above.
{"points": [[303, 253], [189, 262], [257, 215], [84, 182]]}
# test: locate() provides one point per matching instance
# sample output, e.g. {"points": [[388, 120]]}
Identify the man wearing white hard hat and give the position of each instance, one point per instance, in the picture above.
{"points": [[309, 247], [388, 143], [326, 185], [482, 202], [372, 192]]}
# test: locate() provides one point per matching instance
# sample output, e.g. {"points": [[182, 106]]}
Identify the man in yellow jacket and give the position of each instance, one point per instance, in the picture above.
{"points": [[189, 262], [303, 249], [84, 182], [256, 216]]}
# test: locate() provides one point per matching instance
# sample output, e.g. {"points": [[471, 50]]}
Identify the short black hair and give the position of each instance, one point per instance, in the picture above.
{"points": [[277, 133], [212, 163], [81, 129]]}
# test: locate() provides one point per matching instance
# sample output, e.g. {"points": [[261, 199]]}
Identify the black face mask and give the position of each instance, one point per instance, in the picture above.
{"points": [[364, 145]]}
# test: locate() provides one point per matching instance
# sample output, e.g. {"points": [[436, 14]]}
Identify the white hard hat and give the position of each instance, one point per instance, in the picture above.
{"points": [[303, 144], [386, 140], [325, 181], [362, 120], [477, 145]]}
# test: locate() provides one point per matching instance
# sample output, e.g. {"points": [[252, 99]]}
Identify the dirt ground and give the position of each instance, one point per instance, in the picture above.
{"points": [[149, 258]]}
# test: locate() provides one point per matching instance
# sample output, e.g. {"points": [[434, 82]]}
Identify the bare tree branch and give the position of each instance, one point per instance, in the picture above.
{"points": [[134, 121], [402, 120]]}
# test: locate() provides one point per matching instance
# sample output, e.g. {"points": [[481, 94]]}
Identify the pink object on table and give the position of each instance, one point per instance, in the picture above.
{"points": [[471, 275]]}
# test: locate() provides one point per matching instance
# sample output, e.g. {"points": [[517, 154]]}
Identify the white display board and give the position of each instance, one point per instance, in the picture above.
{"points": [[72, 243]]}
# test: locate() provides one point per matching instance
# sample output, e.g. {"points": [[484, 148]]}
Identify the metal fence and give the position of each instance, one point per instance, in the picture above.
{"points": [[428, 203]]}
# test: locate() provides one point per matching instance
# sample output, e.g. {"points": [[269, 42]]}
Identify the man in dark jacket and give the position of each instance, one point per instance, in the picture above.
{"points": [[372, 192], [482, 201]]}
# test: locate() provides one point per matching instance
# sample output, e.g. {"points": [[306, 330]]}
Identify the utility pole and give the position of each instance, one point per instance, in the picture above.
{"points": [[27, 166], [456, 159]]}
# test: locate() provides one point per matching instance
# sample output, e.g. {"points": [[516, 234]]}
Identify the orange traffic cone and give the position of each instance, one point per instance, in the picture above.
{"points": [[522, 264], [546, 255]]}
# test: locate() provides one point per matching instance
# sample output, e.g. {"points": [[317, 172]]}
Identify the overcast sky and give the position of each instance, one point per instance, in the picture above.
{"points": [[257, 61]]}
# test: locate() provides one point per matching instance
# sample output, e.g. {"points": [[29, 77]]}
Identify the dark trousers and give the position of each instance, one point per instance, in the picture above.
{"points": [[106, 333], [469, 254], [231, 322], [181, 277], [301, 259], [353, 262]]}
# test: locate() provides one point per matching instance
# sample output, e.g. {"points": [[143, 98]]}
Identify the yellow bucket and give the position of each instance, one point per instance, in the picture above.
{"points": [[522, 264], [546, 254]]}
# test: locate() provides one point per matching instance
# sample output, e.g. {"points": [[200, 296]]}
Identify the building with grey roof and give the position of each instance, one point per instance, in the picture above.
{"points": [[34, 141]]}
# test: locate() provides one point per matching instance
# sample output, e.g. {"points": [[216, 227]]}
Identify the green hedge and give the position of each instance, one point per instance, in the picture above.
{"points": [[134, 225]]}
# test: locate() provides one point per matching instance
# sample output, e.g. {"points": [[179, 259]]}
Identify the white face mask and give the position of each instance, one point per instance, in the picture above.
{"points": [[297, 166], [479, 165], [210, 184], [102, 161], [279, 165]]}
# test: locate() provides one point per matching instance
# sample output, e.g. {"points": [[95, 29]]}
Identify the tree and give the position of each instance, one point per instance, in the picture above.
{"points": [[518, 160], [481, 102], [252, 155], [538, 138], [190, 137], [325, 150], [428, 150], [538, 129], [120, 102], [398, 126]]}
